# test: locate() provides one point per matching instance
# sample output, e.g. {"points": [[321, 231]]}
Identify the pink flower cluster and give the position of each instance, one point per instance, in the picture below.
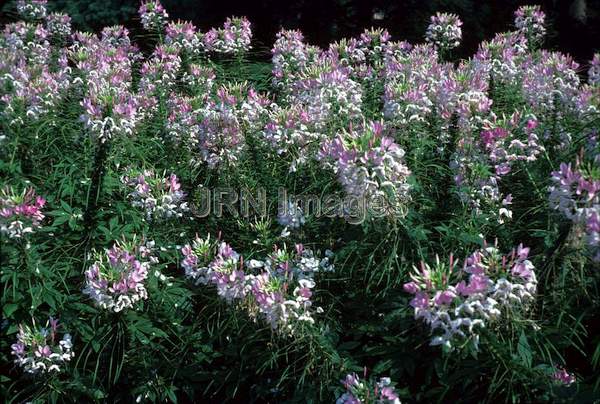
{"points": [[575, 193], [110, 105], [34, 77], [20, 213], [233, 38], [368, 391], [480, 165], [368, 164], [277, 289], [115, 281], [290, 57], [561, 376], [223, 122], [444, 31], [153, 15], [160, 197], [58, 26], [39, 349], [530, 22], [457, 304]]}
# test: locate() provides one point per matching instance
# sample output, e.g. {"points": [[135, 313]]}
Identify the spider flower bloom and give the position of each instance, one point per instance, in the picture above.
{"points": [[153, 15], [160, 197], [575, 193], [233, 38], [368, 391], [32, 9], [561, 376], [58, 25], [277, 290], [115, 281], [444, 31], [290, 56], [458, 304], [369, 165], [40, 350], [20, 214], [530, 22]]}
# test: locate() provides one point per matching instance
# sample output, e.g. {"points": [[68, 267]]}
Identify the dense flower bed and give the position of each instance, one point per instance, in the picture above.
{"points": [[328, 183]]}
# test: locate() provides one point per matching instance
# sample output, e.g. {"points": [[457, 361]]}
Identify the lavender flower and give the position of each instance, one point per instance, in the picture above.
{"points": [[530, 22], [368, 391], [575, 193], [153, 15], [444, 31], [160, 197], [280, 293], [115, 281], [58, 25], [561, 376], [20, 214], [233, 38], [39, 350], [369, 165], [455, 309]]}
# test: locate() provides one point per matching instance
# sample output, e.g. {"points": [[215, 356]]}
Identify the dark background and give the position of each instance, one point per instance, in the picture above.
{"points": [[573, 25]]}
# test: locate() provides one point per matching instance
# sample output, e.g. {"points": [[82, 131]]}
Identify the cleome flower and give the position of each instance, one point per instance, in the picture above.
{"points": [[115, 281], [20, 214], [369, 165], [277, 289], [458, 304], [368, 391], [160, 197], [444, 31], [39, 349], [153, 15], [530, 22], [575, 193]]}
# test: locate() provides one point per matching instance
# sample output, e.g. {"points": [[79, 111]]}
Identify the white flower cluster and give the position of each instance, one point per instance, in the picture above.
{"points": [[40, 351], [115, 281], [444, 31], [160, 197]]}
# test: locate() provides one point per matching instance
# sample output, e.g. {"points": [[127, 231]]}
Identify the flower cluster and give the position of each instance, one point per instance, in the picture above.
{"points": [[39, 349], [327, 95], [561, 376], [153, 15], [160, 197], [222, 122], [115, 281], [479, 164], [233, 38], [20, 213], [575, 193], [32, 9], [290, 56], [444, 31], [368, 391], [58, 25], [455, 309], [277, 289], [34, 77], [369, 165], [530, 22]]}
